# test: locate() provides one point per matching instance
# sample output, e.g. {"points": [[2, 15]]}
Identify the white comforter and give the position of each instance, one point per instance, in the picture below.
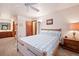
{"points": [[42, 43]]}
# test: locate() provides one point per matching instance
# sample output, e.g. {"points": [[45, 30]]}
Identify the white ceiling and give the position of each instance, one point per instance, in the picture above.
{"points": [[45, 8]]}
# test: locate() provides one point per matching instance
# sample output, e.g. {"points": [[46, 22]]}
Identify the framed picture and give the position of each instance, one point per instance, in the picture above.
{"points": [[5, 26], [49, 21]]}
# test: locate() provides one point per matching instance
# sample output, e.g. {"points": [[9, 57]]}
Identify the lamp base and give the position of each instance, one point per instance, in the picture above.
{"points": [[74, 35]]}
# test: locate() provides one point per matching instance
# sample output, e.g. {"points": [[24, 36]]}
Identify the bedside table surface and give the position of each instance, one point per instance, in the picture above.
{"points": [[70, 39]]}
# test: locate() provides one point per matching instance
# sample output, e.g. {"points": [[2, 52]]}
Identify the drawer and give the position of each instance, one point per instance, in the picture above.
{"points": [[70, 42], [71, 46]]}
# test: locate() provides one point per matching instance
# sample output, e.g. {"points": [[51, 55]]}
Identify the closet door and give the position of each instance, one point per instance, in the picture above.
{"points": [[29, 28]]}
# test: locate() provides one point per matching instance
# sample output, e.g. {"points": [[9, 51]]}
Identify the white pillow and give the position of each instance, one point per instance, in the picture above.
{"points": [[50, 33]]}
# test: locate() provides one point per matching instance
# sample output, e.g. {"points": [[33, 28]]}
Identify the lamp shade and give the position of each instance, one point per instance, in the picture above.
{"points": [[74, 26]]}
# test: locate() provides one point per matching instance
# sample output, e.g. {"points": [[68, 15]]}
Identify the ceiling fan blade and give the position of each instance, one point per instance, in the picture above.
{"points": [[34, 8], [27, 4], [30, 5]]}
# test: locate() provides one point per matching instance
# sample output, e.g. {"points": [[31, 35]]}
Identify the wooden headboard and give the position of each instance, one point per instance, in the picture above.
{"points": [[52, 29]]}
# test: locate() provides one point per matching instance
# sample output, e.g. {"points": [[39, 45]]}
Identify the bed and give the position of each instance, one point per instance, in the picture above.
{"points": [[43, 44]]}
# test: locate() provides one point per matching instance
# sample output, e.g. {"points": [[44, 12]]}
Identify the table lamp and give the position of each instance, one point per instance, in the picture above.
{"points": [[74, 27]]}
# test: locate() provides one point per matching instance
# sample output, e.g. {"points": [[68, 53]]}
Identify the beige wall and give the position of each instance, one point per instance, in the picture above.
{"points": [[58, 22]]}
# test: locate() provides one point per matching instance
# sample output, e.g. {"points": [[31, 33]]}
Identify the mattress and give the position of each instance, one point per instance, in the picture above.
{"points": [[41, 43]]}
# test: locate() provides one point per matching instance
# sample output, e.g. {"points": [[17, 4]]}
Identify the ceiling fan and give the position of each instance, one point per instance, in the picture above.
{"points": [[31, 6]]}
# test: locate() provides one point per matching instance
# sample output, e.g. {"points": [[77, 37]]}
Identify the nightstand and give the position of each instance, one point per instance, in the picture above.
{"points": [[70, 44]]}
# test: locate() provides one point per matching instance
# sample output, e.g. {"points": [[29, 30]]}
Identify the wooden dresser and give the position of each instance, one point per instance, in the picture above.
{"points": [[6, 34], [70, 44]]}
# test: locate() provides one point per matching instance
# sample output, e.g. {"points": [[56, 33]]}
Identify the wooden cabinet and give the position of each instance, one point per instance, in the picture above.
{"points": [[72, 45], [9, 33], [5, 34]]}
